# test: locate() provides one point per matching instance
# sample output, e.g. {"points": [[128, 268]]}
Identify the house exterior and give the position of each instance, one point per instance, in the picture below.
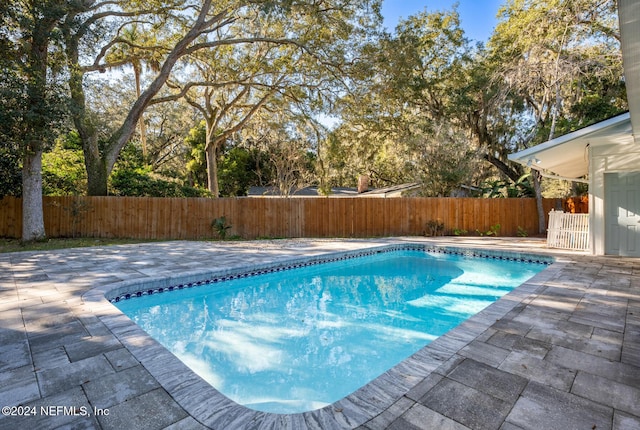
{"points": [[608, 154], [605, 153]]}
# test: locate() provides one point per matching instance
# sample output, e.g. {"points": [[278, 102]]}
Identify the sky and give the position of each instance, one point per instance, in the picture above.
{"points": [[477, 17]]}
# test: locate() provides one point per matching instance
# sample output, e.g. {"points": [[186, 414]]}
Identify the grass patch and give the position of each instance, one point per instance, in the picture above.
{"points": [[15, 245]]}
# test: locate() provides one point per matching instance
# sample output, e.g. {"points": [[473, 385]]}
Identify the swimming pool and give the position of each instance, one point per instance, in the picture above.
{"points": [[299, 338]]}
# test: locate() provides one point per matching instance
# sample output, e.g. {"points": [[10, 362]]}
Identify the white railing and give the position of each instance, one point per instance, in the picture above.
{"points": [[568, 231]]}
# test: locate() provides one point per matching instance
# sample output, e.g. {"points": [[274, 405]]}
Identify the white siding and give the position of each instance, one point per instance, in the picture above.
{"points": [[606, 159]]}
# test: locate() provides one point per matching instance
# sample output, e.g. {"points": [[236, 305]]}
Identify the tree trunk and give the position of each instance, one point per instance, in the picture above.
{"points": [[537, 186], [212, 169], [535, 174], [94, 161], [97, 176], [143, 129], [32, 215], [97, 180], [36, 125]]}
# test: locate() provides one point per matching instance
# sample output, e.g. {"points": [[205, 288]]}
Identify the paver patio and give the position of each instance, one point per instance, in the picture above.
{"points": [[560, 352]]}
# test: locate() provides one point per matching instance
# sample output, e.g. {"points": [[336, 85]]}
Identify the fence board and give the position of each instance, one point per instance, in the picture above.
{"points": [[324, 224], [373, 213], [337, 216], [394, 219], [506, 223], [179, 218], [255, 224], [467, 214], [204, 211]]}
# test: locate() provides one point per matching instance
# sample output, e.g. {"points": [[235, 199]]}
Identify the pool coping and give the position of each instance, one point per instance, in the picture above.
{"points": [[212, 409]]}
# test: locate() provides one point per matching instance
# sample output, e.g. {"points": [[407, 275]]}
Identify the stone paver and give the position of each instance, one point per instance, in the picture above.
{"points": [[141, 412], [560, 352], [543, 407]]}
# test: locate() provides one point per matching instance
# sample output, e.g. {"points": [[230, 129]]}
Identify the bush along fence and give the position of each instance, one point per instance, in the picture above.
{"points": [[250, 218]]}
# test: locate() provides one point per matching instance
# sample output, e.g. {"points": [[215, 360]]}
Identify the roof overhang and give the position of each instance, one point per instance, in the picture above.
{"points": [[629, 20], [567, 155]]}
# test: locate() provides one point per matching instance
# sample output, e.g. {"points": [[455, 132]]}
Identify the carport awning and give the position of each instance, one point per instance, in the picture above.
{"points": [[568, 155]]}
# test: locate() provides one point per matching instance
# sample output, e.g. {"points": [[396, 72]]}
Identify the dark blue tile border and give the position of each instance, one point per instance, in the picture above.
{"points": [[294, 264]]}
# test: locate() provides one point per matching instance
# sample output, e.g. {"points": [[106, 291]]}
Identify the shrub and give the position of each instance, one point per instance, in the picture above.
{"points": [[139, 182], [435, 228], [220, 226], [63, 172]]}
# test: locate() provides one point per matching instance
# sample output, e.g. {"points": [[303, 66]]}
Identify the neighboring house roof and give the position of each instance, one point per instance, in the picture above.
{"points": [[394, 191], [567, 155], [302, 192]]}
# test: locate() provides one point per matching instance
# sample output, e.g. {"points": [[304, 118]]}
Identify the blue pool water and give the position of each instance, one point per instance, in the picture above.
{"points": [[298, 340]]}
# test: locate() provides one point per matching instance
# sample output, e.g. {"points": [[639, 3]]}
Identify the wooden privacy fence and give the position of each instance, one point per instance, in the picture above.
{"points": [[180, 218], [568, 231]]}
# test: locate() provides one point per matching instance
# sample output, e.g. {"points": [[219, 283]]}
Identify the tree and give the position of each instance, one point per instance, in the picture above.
{"points": [[63, 169], [135, 47], [226, 110], [234, 83], [100, 157], [31, 97], [309, 27], [425, 92], [197, 163], [241, 168], [402, 117], [544, 53], [12, 100], [282, 138], [88, 32]]}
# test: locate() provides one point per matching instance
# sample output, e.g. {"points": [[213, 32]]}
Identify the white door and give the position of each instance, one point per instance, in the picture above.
{"points": [[622, 213]]}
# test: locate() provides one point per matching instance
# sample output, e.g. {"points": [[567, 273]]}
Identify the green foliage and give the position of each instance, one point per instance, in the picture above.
{"points": [[131, 157], [494, 230], [140, 182], [220, 226], [63, 170], [34, 107], [435, 228], [239, 168], [498, 188], [459, 232], [563, 59], [422, 104], [446, 162], [10, 168], [522, 232], [132, 178], [237, 171], [411, 120], [70, 141], [13, 105], [197, 163]]}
